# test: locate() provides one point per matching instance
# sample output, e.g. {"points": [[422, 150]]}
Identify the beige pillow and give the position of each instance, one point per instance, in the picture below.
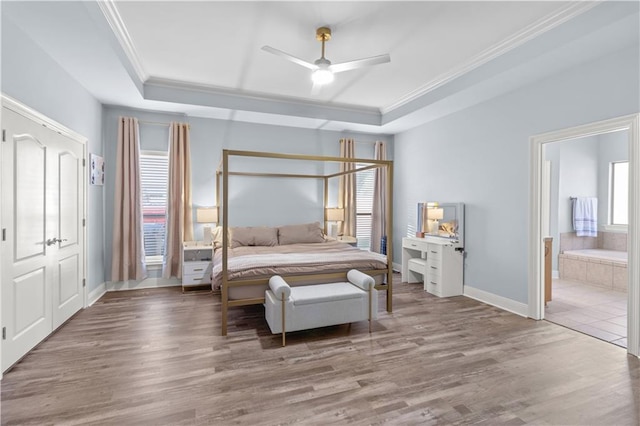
{"points": [[305, 233], [216, 236], [253, 236]]}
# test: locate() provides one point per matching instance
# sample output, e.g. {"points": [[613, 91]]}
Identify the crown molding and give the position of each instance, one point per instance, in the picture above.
{"points": [[110, 12], [527, 33], [161, 89], [33, 115]]}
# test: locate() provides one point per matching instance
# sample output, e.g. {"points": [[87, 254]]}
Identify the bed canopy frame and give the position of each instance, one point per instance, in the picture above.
{"points": [[222, 178]]}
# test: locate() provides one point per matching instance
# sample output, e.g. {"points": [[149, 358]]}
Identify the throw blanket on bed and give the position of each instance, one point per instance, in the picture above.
{"points": [[298, 259], [585, 216]]}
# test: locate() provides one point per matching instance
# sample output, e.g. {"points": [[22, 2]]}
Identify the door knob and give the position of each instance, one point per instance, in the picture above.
{"points": [[52, 241]]}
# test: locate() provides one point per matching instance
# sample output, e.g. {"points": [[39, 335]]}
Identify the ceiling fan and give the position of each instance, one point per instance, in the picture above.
{"points": [[323, 69]]}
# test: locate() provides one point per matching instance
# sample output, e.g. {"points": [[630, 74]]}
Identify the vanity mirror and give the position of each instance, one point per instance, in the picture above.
{"points": [[442, 220]]}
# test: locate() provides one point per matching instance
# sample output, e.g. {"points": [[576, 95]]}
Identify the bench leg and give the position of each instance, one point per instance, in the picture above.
{"points": [[370, 302], [283, 330]]}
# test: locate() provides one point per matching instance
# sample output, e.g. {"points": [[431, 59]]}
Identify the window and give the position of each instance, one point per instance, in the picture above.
{"points": [[620, 193], [364, 206], [154, 173]]}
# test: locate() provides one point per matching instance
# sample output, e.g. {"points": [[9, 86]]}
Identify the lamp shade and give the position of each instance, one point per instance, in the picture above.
{"points": [[207, 215], [335, 215], [435, 214]]}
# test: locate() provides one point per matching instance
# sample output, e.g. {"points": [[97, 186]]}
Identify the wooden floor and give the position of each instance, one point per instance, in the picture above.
{"points": [[156, 357]]}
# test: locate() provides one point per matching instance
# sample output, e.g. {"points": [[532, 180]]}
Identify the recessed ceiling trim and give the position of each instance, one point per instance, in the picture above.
{"points": [[110, 11], [527, 33], [205, 95]]}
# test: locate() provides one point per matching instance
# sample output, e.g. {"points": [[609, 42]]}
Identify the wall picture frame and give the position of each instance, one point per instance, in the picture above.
{"points": [[96, 170]]}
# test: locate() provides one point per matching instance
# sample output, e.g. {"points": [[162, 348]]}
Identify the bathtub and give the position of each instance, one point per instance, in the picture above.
{"points": [[604, 268]]}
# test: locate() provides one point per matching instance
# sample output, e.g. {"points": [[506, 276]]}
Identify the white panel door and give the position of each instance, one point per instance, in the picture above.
{"points": [[42, 251]]}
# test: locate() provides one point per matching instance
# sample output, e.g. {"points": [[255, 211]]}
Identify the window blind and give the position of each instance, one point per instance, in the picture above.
{"points": [[154, 173], [364, 206]]}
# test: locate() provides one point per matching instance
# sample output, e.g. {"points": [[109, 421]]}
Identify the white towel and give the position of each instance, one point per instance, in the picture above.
{"points": [[585, 216]]}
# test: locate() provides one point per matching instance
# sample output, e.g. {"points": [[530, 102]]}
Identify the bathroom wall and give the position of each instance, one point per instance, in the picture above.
{"points": [[580, 167]]}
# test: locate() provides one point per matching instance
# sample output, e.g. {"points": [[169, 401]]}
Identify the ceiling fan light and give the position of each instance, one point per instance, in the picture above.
{"points": [[322, 76]]}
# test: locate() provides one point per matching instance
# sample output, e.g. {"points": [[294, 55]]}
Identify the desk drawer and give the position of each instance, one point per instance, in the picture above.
{"points": [[434, 251], [412, 244], [432, 287], [434, 267]]}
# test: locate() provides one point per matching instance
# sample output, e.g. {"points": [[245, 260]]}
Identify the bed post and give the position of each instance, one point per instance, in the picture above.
{"points": [[225, 242], [389, 237]]}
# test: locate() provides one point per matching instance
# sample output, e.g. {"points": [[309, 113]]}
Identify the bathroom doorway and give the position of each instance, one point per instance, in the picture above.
{"points": [[589, 286], [542, 197]]}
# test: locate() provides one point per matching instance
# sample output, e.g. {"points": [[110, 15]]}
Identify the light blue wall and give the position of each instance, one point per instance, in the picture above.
{"points": [[33, 78], [256, 201], [481, 156]]}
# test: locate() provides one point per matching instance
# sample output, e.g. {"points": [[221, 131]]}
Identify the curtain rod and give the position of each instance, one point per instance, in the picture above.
{"points": [[159, 123], [154, 123]]}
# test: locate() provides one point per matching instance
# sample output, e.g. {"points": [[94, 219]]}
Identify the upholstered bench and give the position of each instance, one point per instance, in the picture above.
{"points": [[319, 305]]}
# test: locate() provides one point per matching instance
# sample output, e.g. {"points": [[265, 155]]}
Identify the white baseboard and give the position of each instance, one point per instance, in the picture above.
{"points": [[397, 267], [96, 294], [146, 283], [517, 308]]}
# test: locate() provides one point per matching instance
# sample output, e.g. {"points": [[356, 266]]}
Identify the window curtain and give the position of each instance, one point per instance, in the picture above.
{"points": [[379, 211], [128, 241], [347, 189], [179, 216]]}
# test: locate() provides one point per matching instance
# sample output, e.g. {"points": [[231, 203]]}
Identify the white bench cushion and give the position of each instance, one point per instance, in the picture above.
{"points": [[319, 293]]}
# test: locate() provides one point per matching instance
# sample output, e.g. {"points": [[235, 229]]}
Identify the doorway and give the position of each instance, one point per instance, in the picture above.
{"points": [[589, 263], [539, 222], [43, 238]]}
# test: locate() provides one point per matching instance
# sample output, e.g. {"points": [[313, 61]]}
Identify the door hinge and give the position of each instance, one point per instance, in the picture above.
{"points": [[84, 162], [4, 234], [84, 222], [4, 135], [84, 282], [4, 333]]}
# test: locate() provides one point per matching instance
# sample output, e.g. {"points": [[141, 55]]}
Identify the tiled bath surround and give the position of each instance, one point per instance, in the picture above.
{"points": [[600, 272]]}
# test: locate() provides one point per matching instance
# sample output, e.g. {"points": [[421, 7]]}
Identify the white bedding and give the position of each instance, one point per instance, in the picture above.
{"points": [[294, 259]]}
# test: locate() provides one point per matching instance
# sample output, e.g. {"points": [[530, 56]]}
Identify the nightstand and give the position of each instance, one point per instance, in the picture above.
{"points": [[197, 264]]}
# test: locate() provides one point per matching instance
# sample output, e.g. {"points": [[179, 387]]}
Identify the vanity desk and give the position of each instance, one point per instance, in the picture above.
{"points": [[435, 256], [434, 261]]}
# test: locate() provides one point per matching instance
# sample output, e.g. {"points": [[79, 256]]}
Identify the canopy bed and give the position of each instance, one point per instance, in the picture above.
{"points": [[245, 258]]}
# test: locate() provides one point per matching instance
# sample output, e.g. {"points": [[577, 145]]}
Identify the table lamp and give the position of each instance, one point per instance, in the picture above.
{"points": [[434, 215], [207, 215], [334, 215]]}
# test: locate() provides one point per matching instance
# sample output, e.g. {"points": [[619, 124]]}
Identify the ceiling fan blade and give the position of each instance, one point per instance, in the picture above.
{"points": [[316, 88], [289, 57], [346, 66]]}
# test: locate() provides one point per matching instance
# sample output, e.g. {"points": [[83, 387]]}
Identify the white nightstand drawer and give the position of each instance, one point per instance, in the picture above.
{"points": [[197, 268], [196, 279]]}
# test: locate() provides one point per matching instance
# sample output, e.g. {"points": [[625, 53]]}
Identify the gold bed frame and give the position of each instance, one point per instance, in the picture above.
{"points": [[223, 173]]}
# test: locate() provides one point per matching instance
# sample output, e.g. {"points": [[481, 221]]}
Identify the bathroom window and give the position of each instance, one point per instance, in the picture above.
{"points": [[620, 193]]}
